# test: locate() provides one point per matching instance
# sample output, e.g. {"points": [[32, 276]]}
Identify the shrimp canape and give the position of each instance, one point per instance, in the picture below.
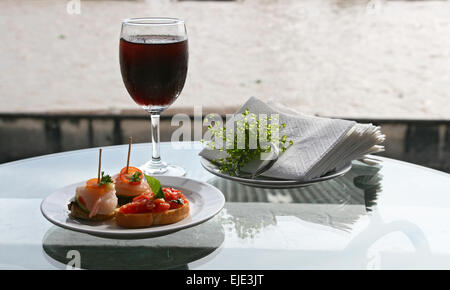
{"points": [[130, 182], [96, 200]]}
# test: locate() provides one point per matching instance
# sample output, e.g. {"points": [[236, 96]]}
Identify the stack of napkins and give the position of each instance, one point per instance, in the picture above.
{"points": [[320, 145]]}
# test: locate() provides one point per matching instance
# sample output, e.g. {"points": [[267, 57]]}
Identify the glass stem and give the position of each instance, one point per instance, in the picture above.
{"points": [[156, 157]]}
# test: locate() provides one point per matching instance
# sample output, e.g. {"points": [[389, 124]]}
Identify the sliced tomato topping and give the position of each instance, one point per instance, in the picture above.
{"points": [[171, 193], [93, 185], [147, 203], [134, 207], [129, 177], [177, 203], [150, 206], [174, 197], [143, 198], [174, 204], [160, 205], [81, 200]]}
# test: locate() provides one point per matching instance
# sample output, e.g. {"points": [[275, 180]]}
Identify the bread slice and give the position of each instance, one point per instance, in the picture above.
{"points": [[77, 212], [143, 220]]}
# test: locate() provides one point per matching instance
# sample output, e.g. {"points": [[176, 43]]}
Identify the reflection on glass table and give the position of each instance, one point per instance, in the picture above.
{"points": [[392, 215], [337, 203], [173, 251]]}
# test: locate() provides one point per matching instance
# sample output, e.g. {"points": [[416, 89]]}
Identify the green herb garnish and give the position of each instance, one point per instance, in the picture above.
{"points": [[136, 177], [179, 201], [155, 185], [251, 129], [105, 179]]}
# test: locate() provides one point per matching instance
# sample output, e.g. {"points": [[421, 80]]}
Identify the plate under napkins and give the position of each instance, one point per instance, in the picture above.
{"points": [[267, 182]]}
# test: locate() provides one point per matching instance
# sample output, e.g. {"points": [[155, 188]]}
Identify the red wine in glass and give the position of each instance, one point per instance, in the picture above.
{"points": [[154, 68], [153, 54]]}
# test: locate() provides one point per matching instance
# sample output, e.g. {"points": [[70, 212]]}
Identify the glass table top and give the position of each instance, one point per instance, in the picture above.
{"points": [[393, 215]]}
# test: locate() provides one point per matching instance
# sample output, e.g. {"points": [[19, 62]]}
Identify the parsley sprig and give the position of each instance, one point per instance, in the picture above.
{"points": [[136, 177], [252, 128], [105, 179]]}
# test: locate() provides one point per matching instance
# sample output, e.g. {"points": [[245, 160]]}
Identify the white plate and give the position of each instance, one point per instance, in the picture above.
{"points": [[267, 182], [205, 201]]}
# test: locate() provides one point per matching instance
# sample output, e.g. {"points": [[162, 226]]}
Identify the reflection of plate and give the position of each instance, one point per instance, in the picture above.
{"points": [[175, 251], [204, 199], [267, 182]]}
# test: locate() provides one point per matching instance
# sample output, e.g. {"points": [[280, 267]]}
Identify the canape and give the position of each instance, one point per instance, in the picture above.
{"points": [[95, 201], [130, 183], [166, 206]]}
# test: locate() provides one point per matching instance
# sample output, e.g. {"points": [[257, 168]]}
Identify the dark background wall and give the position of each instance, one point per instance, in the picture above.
{"points": [[26, 135]]}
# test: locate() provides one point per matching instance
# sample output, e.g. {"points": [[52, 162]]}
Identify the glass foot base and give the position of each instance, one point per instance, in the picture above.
{"points": [[162, 168]]}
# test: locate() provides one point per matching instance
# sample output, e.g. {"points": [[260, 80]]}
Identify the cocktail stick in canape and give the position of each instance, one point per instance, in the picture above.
{"points": [[96, 200], [130, 182]]}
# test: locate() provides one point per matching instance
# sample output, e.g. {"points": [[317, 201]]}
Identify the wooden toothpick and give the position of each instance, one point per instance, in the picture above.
{"points": [[99, 164], [130, 140]]}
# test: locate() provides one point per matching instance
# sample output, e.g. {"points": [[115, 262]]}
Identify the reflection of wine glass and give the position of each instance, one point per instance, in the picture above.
{"points": [[153, 61]]}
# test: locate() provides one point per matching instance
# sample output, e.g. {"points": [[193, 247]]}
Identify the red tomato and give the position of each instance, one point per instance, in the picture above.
{"points": [[80, 199], [143, 198], [171, 193], [160, 205], [145, 203], [134, 207], [126, 176], [174, 204], [150, 206]]}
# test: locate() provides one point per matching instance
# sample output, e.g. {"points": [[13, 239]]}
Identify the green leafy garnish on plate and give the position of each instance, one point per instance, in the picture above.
{"points": [[155, 185]]}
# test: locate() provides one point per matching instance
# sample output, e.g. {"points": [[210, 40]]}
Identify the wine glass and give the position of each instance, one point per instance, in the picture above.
{"points": [[153, 61]]}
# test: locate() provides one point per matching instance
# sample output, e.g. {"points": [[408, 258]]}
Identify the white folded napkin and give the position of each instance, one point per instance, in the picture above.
{"points": [[321, 145]]}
